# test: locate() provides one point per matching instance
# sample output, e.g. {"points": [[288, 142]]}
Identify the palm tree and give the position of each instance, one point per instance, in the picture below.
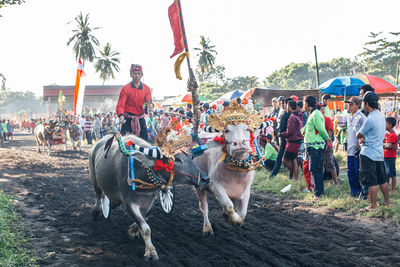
{"points": [[206, 54], [107, 63], [83, 38]]}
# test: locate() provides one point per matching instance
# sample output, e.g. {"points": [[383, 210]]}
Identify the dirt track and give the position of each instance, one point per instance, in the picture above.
{"points": [[54, 195]]}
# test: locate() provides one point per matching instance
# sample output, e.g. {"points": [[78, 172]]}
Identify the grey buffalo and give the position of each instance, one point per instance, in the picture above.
{"points": [[109, 176]]}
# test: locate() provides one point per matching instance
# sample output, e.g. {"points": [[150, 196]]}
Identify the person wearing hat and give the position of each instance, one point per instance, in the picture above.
{"points": [[206, 112], [354, 123], [371, 136], [134, 101]]}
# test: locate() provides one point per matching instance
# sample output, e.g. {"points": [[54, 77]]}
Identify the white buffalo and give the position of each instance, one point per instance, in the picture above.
{"points": [[229, 164]]}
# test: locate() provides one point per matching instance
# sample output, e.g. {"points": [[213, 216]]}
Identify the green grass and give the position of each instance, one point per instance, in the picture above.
{"points": [[336, 197], [12, 236]]}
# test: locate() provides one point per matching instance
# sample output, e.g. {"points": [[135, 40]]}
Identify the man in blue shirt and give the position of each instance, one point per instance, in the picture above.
{"points": [[370, 136]]}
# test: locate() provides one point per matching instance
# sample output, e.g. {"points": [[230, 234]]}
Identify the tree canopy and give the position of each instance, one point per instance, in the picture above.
{"points": [[107, 63], [206, 54], [84, 41]]}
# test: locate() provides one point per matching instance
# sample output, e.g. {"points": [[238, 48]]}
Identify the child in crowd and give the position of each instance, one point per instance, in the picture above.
{"points": [[269, 152], [390, 152]]}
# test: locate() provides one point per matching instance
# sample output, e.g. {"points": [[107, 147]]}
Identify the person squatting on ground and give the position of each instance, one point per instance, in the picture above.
{"points": [[354, 123], [293, 138], [390, 152], [133, 103], [315, 137], [371, 136], [268, 151]]}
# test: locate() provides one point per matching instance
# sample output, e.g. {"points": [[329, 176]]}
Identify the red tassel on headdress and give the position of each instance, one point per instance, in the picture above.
{"points": [[159, 165], [252, 142], [218, 139]]}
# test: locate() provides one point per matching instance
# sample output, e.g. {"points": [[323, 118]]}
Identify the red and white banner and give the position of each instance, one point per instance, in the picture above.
{"points": [[79, 91]]}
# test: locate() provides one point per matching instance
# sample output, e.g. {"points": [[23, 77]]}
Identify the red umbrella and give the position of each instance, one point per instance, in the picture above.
{"points": [[380, 85], [188, 98], [248, 93]]}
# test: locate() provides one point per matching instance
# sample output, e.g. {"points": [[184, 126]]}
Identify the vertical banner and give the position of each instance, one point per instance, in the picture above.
{"points": [[79, 90]]}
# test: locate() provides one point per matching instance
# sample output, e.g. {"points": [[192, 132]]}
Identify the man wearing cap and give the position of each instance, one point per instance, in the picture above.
{"points": [[354, 123], [134, 101], [204, 115], [370, 136]]}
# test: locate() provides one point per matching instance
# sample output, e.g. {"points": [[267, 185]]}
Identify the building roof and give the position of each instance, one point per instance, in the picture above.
{"points": [[90, 90]]}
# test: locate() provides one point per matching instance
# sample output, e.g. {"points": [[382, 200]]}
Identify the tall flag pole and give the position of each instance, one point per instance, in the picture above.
{"points": [[181, 44], [79, 89]]}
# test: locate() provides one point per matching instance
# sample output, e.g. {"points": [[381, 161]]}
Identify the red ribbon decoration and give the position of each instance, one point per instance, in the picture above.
{"points": [[159, 165], [252, 142], [219, 140]]}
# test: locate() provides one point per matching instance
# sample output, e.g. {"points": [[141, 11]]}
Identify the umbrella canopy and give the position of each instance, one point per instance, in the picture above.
{"points": [[346, 86], [380, 85], [231, 95], [188, 98], [157, 105], [173, 101]]}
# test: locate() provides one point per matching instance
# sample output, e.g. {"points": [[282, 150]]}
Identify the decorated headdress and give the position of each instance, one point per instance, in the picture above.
{"points": [[136, 67], [172, 141], [236, 113]]}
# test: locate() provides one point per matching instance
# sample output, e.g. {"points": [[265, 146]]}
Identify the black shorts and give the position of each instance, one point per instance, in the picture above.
{"points": [[372, 172], [289, 155], [390, 166]]}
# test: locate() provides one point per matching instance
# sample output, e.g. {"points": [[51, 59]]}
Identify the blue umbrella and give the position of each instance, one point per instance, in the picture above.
{"points": [[344, 86]]}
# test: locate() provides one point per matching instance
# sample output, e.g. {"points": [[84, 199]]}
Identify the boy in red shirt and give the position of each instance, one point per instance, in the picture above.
{"points": [[390, 152]]}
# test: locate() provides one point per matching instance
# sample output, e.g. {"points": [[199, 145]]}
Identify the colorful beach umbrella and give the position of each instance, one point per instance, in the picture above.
{"points": [[231, 95], [342, 86], [188, 98], [380, 85]]}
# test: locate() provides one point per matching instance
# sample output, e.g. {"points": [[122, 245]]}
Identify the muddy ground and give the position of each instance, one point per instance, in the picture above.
{"points": [[54, 195]]}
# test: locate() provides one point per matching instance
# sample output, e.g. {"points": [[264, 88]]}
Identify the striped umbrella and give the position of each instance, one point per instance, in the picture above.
{"points": [[380, 85]]}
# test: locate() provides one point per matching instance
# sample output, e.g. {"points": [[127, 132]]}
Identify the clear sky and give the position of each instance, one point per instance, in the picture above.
{"points": [[252, 37]]}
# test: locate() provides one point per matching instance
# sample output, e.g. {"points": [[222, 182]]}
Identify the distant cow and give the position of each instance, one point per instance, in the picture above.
{"points": [[44, 135]]}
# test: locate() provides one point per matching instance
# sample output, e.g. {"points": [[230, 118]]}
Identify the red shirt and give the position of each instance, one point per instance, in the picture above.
{"points": [[329, 126], [131, 99], [390, 138]]}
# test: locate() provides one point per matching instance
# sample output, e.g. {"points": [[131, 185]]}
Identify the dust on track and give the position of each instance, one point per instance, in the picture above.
{"points": [[54, 195]]}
